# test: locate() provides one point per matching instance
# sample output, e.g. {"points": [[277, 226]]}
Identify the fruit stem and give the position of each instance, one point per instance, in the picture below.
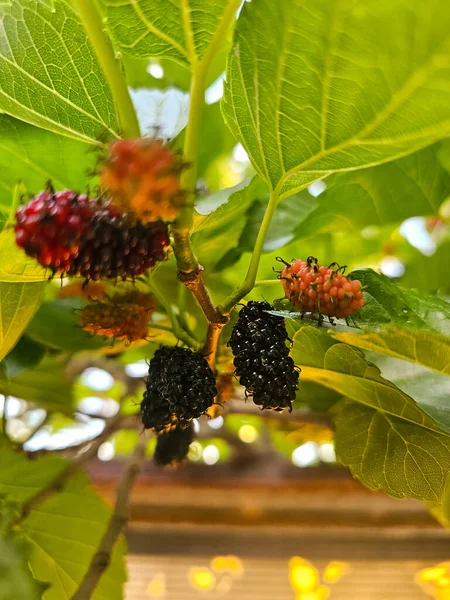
{"points": [[111, 66], [176, 329], [250, 279]]}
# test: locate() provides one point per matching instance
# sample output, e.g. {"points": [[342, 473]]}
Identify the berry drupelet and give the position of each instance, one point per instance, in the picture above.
{"points": [[262, 360]]}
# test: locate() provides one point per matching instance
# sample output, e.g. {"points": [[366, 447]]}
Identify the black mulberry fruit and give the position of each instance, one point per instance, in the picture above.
{"points": [[180, 387], [172, 446], [261, 357]]}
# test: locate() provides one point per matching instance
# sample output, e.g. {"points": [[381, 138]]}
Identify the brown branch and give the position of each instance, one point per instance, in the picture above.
{"points": [[88, 452], [119, 519], [194, 281]]}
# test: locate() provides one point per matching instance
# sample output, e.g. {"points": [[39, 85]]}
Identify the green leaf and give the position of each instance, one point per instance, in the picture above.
{"points": [[25, 355], [429, 273], [387, 303], [16, 580], [312, 88], [389, 193], [16, 266], [56, 324], [421, 347], [429, 389], [181, 29], [387, 441], [33, 156], [49, 74], [64, 530], [18, 304], [46, 385], [386, 452], [221, 222]]}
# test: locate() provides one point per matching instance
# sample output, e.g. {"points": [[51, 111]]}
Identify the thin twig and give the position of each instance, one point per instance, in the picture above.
{"points": [[86, 454], [119, 519]]}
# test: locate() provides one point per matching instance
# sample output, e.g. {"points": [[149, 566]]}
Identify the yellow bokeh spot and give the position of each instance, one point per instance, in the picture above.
{"points": [[227, 564], [157, 586], [248, 434], [443, 582], [334, 571], [433, 573], [303, 576], [202, 579], [320, 593], [443, 595]]}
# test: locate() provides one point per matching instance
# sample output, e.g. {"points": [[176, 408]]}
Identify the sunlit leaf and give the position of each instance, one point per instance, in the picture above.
{"points": [[55, 85], [181, 30], [18, 304], [422, 347], [384, 437], [312, 88]]}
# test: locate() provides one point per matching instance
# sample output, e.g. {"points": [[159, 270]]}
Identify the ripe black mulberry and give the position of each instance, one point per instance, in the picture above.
{"points": [[261, 357]]}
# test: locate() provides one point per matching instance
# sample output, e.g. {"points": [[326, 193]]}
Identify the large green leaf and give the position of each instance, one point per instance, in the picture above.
{"points": [[47, 385], [180, 29], [314, 88], [33, 156], [64, 530], [425, 348], [16, 580], [387, 303], [18, 303], [49, 75], [389, 193], [387, 441]]}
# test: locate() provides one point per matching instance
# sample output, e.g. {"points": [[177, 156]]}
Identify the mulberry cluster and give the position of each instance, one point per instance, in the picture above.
{"points": [[172, 446], [323, 290], [180, 387], [262, 360], [122, 317], [143, 177], [73, 235]]}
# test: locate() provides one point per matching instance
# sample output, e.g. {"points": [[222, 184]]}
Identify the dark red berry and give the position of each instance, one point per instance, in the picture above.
{"points": [[50, 226], [117, 246], [323, 290]]}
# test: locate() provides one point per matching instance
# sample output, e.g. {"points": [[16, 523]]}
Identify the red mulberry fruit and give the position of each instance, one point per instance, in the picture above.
{"points": [[180, 387], [172, 446], [323, 290], [50, 227], [143, 177], [123, 317], [262, 360]]}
